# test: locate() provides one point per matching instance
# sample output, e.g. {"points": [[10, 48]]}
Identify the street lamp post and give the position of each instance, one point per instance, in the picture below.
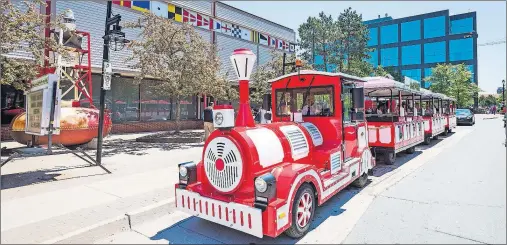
{"points": [[115, 36]]}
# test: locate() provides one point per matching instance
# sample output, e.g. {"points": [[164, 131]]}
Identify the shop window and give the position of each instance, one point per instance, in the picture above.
{"points": [[123, 100], [155, 104]]}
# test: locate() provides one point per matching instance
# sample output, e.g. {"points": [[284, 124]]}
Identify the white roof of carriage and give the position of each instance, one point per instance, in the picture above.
{"points": [[382, 86], [312, 72]]}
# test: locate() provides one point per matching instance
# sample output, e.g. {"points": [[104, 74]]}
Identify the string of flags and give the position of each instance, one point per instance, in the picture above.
{"points": [[182, 15]]}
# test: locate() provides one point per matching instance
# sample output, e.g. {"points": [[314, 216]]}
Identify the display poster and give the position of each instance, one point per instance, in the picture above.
{"points": [[38, 106]]}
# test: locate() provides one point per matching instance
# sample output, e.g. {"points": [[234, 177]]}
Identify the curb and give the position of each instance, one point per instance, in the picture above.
{"points": [[117, 224]]}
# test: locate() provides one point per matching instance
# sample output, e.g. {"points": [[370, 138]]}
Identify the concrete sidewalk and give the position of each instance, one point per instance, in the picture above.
{"points": [[52, 199]]}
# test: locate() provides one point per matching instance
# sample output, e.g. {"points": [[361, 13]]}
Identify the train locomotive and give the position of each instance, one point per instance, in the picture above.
{"points": [[268, 179]]}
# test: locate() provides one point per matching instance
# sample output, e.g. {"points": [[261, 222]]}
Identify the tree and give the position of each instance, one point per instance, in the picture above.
{"points": [[395, 73], [175, 54], [21, 31], [487, 100], [453, 81], [360, 68], [320, 35], [270, 70], [353, 40]]}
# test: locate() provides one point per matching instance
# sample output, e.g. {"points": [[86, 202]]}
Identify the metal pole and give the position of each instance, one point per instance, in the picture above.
{"points": [[52, 116], [283, 66], [105, 58], [313, 46]]}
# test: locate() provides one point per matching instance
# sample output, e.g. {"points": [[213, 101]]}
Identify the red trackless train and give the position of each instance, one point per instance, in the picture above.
{"points": [[268, 179], [393, 123], [430, 107]]}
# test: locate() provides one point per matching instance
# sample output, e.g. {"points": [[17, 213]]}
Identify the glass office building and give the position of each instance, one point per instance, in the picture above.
{"points": [[415, 44]]}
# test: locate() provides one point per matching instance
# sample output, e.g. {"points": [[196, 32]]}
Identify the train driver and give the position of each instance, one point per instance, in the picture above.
{"points": [[310, 108]]}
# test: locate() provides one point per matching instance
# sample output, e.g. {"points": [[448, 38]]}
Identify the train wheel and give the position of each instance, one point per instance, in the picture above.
{"points": [[410, 150], [446, 132], [303, 211], [361, 181], [427, 140], [389, 158]]}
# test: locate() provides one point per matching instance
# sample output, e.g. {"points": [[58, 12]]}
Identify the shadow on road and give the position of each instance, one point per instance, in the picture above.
{"points": [[194, 230], [112, 147]]}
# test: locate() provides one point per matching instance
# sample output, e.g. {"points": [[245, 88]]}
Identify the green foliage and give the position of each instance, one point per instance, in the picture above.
{"points": [[454, 81], [488, 100], [271, 70], [395, 73], [20, 31], [175, 54], [342, 43]]}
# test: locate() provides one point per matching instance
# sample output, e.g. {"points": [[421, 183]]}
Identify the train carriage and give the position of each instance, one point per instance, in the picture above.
{"points": [[430, 107], [393, 124], [266, 179], [449, 111]]}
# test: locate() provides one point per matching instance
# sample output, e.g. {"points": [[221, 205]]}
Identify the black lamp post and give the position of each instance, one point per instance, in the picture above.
{"points": [[116, 37]]}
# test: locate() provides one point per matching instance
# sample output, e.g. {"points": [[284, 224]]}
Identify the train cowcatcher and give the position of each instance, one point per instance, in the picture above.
{"points": [[268, 179]]}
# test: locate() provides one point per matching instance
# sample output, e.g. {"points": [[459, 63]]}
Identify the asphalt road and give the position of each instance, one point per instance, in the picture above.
{"points": [[453, 191]]}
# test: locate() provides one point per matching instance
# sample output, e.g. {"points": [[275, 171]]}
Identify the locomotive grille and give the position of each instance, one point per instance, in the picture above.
{"points": [[297, 141], [314, 132], [223, 164]]}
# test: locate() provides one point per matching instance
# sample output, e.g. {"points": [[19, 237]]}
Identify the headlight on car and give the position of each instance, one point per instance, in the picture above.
{"points": [[187, 173], [469, 117], [265, 190]]}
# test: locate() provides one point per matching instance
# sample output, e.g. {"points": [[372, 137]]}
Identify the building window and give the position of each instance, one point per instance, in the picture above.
{"points": [[427, 73], [319, 64], [471, 69], [434, 27], [389, 57], [413, 73], [373, 36], [411, 55], [373, 58], [462, 26], [154, 105], [411, 30], [389, 34], [461, 49], [188, 106], [124, 100], [434, 52]]}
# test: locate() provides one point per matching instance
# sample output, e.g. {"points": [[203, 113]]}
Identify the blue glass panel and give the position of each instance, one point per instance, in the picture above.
{"points": [[434, 27], [462, 26], [389, 34], [413, 73], [434, 52], [373, 58], [471, 69], [411, 30], [427, 73], [389, 57], [411, 55], [373, 37], [461, 49]]}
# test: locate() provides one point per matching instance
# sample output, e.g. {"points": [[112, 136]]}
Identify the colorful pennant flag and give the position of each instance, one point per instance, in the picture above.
{"points": [[160, 9], [143, 6], [189, 17], [255, 37], [175, 13], [272, 42], [127, 4], [263, 39], [203, 21], [236, 31], [245, 34], [226, 28], [292, 47], [215, 24]]}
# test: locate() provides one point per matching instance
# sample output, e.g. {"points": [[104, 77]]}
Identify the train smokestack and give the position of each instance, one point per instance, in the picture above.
{"points": [[243, 61]]}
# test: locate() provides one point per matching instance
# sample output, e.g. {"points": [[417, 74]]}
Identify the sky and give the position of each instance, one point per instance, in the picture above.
{"points": [[491, 23]]}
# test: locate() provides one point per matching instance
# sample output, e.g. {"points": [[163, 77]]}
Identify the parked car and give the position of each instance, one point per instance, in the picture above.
{"points": [[465, 116]]}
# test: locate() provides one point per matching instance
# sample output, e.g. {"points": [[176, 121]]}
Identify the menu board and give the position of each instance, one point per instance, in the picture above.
{"points": [[35, 108]]}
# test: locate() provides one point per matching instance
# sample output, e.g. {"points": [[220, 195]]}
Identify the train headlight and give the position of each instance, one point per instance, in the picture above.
{"points": [[261, 185], [187, 173], [265, 190]]}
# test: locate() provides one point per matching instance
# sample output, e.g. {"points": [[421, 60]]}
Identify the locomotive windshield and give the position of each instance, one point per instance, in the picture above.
{"points": [[316, 101]]}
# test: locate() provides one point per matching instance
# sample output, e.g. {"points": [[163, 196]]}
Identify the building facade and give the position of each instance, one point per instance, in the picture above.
{"points": [[413, 45], [133, 106]]}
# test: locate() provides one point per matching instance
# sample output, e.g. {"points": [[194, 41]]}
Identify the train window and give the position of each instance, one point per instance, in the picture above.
{"points": [[347, 103], [316, 101]]}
